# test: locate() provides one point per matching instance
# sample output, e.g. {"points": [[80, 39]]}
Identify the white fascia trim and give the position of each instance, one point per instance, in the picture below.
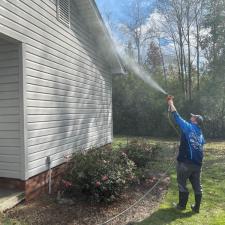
{"points": [[98, 15]]}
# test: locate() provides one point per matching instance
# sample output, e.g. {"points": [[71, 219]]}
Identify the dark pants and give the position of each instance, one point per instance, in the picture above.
{"points": [[192, 172]]}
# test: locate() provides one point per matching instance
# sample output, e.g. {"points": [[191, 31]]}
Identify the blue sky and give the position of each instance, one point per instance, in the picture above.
{"points": [[114, 7], [118, 9], [119, 14]]}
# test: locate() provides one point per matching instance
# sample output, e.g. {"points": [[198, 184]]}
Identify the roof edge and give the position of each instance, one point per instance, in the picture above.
{"points": [[121, 69]]}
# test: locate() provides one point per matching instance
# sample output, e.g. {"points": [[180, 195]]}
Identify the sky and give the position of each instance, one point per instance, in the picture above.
{"points": [[118, 12], [118, 9], [114, 7]]}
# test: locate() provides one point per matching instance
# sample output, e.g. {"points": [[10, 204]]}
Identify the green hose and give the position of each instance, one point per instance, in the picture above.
{"points": [[172, 124]]}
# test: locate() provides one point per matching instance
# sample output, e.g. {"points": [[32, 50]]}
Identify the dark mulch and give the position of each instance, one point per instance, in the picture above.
{"points": [[46, 211]]}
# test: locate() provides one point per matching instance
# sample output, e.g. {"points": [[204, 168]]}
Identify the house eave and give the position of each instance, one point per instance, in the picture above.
{"points": [[98, 28]]}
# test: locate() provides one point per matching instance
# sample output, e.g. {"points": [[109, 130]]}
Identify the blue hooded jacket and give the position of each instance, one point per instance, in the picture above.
{"points": [[191, 142]]}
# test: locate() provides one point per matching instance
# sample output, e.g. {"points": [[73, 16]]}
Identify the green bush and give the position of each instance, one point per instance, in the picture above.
{"points": [[141, 152], [101, 173]]}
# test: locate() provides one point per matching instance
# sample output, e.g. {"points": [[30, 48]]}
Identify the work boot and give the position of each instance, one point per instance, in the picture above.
{"points": [[183, 198], [195, 208]]}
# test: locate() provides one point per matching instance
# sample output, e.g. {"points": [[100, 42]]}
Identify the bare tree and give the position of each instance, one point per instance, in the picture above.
{"points": [[198, 23], [133, 26], [163, 62], [173, 13], [193, 12], [182, 24]]}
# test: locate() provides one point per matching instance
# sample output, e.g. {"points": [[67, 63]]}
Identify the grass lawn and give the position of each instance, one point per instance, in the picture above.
{"points": [[213, 205], [213, 181]]}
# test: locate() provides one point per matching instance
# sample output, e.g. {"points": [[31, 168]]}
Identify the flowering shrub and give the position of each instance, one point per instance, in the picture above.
{"points": [[101, 173]]}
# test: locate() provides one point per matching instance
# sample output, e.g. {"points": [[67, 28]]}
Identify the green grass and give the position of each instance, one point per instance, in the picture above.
{"points": [[213, 204], [7, 221]]}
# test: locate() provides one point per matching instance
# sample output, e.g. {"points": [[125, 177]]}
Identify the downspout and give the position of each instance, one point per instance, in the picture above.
{"points": [[48, 160]]}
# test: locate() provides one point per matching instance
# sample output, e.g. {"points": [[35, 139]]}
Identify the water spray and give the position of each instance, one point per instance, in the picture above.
{"points": [[139, 71]]}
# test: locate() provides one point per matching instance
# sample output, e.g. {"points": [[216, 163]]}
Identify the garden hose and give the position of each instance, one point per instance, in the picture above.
{"points": [[172, 124], [156, 184]]}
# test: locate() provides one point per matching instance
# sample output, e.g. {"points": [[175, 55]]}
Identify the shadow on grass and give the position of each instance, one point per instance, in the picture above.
{"points": [[165, 216]]}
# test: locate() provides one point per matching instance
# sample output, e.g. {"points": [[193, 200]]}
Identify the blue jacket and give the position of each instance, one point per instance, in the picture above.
{"points": [[191, 142]]}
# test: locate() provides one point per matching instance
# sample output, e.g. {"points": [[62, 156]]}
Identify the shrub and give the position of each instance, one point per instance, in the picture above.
{"points": [[101, 173], [141, 152]]}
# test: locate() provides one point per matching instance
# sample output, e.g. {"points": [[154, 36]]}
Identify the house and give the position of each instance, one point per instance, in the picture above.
{"points": [[56, 66]]}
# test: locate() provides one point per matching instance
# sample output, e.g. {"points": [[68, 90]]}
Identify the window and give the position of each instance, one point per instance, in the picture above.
{"points": [[63, 11]]}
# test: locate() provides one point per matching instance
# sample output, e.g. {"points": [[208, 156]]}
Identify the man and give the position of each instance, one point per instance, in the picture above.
{"points": [[189, 160]]}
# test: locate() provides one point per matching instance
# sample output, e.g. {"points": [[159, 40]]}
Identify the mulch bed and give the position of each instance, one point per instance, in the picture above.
{"points": [[46, 211]]}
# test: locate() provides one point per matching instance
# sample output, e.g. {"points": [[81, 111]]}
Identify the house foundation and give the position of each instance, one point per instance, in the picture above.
{"points": [[37, 185]]}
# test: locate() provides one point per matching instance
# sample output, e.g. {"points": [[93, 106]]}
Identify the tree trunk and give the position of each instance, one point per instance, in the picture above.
{"points": [[163, 64], [185, 75], [139, 52], [181, 57], [177, 52], [198, 56], [189, 53]]}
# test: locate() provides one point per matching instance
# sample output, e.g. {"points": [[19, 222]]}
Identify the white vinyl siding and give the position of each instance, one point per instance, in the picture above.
{"points": [[68, 84], [10, 152]]}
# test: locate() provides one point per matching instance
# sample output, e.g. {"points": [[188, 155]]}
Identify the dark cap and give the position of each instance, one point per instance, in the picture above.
{"points": [[199, 118]]}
